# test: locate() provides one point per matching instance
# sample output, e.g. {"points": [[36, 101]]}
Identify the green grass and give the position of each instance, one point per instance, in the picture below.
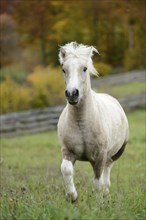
{"points": [[14, 71], [121, 91], [32, 186]]}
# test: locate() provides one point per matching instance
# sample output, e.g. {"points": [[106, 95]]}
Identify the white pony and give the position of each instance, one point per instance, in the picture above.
{"points": [[92, 127]]}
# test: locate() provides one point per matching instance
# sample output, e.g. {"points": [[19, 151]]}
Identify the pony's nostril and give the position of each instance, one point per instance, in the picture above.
{"points": [[76, 93], [67, 93]]}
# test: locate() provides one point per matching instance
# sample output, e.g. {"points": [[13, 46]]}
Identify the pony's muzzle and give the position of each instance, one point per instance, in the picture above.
{"points": [[72, 96]]}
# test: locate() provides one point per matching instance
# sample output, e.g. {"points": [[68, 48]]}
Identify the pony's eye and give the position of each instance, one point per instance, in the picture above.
{"points": [[63, 70], [85, 68]]}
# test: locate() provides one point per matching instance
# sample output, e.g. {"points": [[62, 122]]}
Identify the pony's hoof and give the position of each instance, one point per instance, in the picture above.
{"points": [[106, 193], [72, 197]]}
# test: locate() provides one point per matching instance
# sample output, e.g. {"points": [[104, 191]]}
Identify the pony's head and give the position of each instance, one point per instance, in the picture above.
{"points": [[76, 61]]}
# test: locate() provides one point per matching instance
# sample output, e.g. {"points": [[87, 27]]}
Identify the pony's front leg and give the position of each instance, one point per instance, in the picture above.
{"points": [[67, 170], [98, 168]]}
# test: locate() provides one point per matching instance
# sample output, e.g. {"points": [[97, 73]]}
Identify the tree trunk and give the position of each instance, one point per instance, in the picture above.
{"points": [[130, 35], [44, 52]]}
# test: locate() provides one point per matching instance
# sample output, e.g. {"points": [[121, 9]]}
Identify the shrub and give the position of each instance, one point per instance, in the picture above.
{"points": [[43, 87], [13, 71], [9, 40], [13, 97], [134, 59], [48, 86], [103, 68]]}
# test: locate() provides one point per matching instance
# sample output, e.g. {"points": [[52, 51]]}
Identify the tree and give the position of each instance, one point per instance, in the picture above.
{"points": [[9, 40], [113, 26], [36, 20]]}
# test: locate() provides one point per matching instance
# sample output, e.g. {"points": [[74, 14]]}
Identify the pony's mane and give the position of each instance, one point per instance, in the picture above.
{"points": [[73, 49]]}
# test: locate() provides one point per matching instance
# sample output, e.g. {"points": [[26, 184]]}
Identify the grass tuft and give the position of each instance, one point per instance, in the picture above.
{"points": [[32, 186]]}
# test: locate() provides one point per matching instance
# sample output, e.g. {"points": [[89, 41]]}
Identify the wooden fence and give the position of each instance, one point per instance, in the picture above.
{"points": [[118, 79], [46, 119], [29, 121]]}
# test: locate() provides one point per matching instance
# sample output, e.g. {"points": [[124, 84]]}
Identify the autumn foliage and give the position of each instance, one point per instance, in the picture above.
{"points": [[14, 97], [47, 86], [31, 32], [43, 87]]}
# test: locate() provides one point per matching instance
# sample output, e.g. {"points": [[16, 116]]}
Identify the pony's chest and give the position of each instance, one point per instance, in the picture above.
{"points": [[81, 140]]}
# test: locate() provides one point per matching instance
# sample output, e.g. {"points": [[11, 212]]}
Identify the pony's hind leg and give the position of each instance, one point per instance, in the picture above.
{"points": [[67, 170], [106, 179], [102, 185], [98, 168]]}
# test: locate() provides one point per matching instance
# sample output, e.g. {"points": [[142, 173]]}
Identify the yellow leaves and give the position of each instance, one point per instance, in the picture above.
{"points": [[44, 87], [46, 78], [47, 83], [61, 24], [39, 77], [103, 68], [59, 28], [13, 97]]}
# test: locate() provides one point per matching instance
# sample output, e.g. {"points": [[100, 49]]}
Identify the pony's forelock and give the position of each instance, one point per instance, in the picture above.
{"points": [[80, 51]]}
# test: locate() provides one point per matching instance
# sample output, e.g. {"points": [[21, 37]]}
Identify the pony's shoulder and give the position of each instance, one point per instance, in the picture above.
{"points": [[62, 116], [106, 99]]}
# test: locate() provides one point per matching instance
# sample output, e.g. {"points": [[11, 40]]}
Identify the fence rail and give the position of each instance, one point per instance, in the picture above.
{"points": [[39, 120], [118, 79], [46, 119]]}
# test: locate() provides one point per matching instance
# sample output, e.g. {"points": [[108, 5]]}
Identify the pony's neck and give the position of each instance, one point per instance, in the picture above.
{"points": [[85, 104]]}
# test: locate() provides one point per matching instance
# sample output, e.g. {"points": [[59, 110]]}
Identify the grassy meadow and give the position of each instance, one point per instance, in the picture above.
{"points": [[32, 186], [123, 90]]}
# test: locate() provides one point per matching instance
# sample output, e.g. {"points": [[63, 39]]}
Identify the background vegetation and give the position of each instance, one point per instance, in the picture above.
{"points": [[32, 185], [32, 30]]}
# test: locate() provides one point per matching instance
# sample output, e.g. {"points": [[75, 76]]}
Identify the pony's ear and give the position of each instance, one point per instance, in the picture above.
{"points": [[91, 66], [92, 51], [62, 55]]}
